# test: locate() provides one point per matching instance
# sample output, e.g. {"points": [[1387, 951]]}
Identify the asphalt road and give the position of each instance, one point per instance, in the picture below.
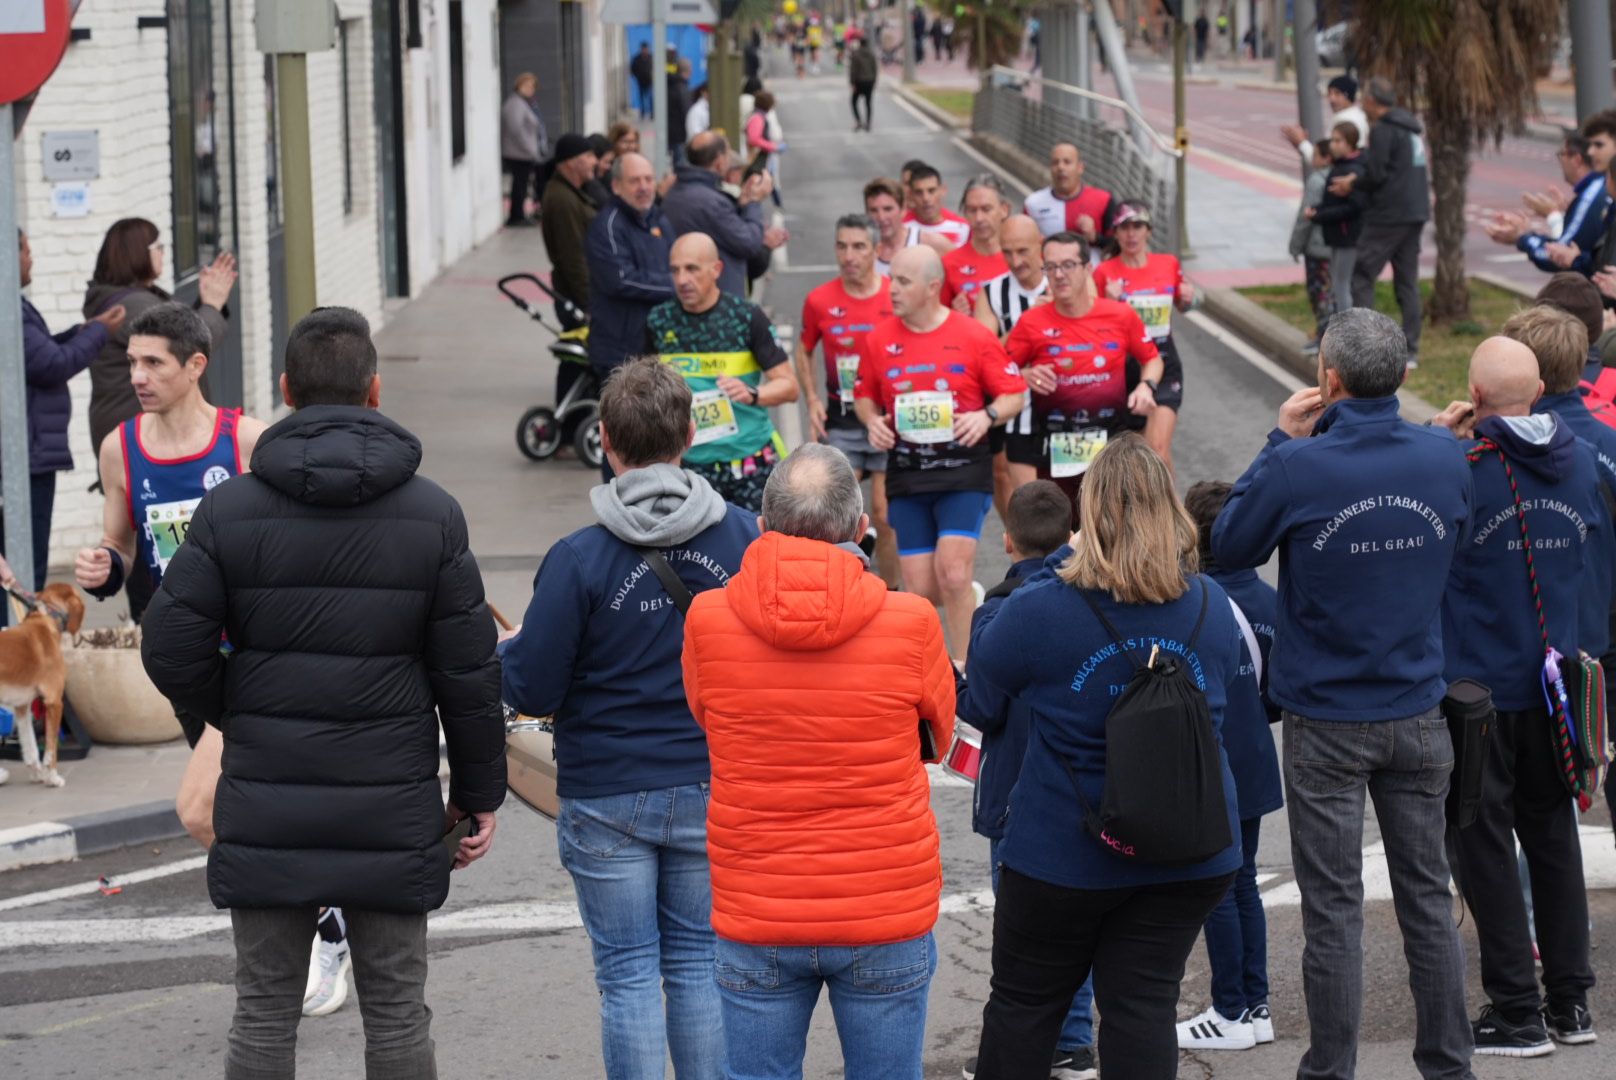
{"points": [[137, 984]]}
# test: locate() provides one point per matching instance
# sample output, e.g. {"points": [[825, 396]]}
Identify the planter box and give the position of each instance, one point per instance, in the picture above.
{"points": [[113, 697]]}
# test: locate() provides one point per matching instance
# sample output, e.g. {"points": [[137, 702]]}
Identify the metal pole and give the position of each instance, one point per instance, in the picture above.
{"points": [[907, 18], [13, 380], [659, 86], [1307, 72], [1591, 55], [1181, 137], [1085, 67], [1105, 25], [297, 183], [1276, 34]]}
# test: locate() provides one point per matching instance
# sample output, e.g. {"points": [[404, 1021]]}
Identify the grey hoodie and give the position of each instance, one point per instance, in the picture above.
{"points": [[657, 506]]}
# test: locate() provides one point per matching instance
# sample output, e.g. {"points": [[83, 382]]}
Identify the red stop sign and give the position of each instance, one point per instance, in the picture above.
{"points": [[33, 37]]}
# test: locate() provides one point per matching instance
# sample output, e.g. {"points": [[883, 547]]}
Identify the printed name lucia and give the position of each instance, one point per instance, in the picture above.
{"points": [[1379, 502]]}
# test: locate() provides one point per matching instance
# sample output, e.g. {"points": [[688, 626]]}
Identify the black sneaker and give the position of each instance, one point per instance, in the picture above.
{"points": [[1074, 1065], [1570, 1024], [1499, 1037]]}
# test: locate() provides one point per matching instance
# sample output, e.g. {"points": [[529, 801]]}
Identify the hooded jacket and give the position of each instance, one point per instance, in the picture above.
{"points": [[1597, 630], [1247, 737], [599, 648], [628, 276], [1341, 217], [1366, 515], [1490, 627], [49, 361], [355, 614], [112, 398], [1395, 172], [697, 204], [811, 680]]}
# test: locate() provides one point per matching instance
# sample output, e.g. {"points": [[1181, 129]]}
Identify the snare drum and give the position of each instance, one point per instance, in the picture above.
{"points": [[530, 763], [964, 758]]}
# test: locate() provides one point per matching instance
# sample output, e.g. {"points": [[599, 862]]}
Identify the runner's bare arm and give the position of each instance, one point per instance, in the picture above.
{"points": [[248, 431], [779, 386], [875, 423], [982, 312], [937, 242], [93, 566], [816, 406]]}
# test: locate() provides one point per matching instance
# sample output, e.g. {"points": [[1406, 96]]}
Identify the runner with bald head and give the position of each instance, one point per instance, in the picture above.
{"points": [[1518, 587], [999, 303], [726, 350], [1067, 204], [932, 383]]}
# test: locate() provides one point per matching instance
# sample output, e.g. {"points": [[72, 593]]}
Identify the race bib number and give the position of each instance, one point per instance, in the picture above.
{"points": [[847, 369], [168, 524], [714, 414], [1155, 311], [926, 416], [1072, 452]]}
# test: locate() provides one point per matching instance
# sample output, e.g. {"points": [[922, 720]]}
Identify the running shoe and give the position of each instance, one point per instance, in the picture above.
{"points": [[1501, 1038], [1214, 1031], [331, 990], [978, 592], [1074, 1065], [4, 775], [1262, 1022], [1570, 1024]]}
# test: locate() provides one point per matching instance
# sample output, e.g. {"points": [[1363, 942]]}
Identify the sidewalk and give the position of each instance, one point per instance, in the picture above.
{"points": [[459, 364]]}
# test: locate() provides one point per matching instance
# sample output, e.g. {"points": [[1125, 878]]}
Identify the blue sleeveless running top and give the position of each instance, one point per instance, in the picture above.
{"points": [[163, 492]]}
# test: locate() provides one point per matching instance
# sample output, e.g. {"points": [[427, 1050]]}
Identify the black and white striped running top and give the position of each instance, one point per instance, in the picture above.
{"points": [[1009, 302]]}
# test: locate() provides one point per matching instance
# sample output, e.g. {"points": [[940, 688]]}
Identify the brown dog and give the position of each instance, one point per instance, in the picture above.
{"points": [[31, 666]]}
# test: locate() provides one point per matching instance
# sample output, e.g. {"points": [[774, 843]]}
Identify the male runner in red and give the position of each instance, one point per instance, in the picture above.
{"points": [[1067, 205], [932, 382], [1153, 285], [837, 315], [926, 203], [986, 207], [1074, 356]]}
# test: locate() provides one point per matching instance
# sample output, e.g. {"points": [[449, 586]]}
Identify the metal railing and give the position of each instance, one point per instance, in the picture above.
{"points": [[1121, 152]]}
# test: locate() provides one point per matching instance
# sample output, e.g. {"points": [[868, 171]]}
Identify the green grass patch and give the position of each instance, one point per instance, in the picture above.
{"points": [[1444, 350], [956, 102]]}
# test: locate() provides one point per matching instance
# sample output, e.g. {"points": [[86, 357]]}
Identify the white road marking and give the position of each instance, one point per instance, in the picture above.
{"points": [[1246, 352], [87, 888]]}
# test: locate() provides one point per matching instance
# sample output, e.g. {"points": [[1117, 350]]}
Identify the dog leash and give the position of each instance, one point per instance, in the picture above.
{"points": [[33, 603]]}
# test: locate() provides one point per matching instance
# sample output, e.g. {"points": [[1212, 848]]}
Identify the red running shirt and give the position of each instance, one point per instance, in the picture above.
{"points": [[1152, 290], [1090, 356], [923, 381], [955, 229], [965, 270], [839, 321]]}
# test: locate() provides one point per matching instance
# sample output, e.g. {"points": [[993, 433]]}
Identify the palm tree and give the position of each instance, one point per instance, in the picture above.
{"points": [[1470, 67]]}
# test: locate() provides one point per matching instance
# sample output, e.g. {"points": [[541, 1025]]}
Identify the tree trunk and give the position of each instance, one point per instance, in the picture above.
{"points": [[1449, 170]]}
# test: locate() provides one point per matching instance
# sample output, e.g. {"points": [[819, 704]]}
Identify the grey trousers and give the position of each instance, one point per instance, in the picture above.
{"points": [[1404, 766], [1341, 263], [1400, 246], [272, 966]]}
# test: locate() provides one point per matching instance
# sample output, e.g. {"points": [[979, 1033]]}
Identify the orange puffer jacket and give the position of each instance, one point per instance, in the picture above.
{"points": [[811, 681]]}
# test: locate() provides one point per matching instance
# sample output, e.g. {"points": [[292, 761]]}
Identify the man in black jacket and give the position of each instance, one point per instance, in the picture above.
{"points": [[355, 620], [1395, 177]]}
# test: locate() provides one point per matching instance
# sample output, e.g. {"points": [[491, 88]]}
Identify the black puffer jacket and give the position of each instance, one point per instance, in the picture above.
{"points": [[355, 612]]}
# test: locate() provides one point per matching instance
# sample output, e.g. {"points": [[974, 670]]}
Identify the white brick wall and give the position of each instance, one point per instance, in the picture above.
{"points": [[346, 244]]}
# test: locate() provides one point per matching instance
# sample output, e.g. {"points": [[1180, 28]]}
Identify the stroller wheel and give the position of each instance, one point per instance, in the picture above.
{"points": [[538, 433], [586, 440]]}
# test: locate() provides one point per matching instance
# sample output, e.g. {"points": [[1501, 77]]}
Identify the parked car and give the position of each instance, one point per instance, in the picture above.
{"points": [[1331, 43]]}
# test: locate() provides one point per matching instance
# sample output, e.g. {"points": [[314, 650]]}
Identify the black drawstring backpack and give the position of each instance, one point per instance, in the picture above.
{"points": [[1164, 801]]}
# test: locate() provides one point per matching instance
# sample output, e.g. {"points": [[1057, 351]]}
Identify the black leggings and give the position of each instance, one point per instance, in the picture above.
{"points": [[862, 90], [1046, 940]]}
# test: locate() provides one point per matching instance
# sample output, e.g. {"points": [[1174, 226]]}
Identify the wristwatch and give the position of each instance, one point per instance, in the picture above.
{"points": [[757, 395], [1153, 384], [993, 414]]}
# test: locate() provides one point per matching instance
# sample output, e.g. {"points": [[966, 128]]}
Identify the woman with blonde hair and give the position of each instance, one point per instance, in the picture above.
{"points": [[1067, 903]]}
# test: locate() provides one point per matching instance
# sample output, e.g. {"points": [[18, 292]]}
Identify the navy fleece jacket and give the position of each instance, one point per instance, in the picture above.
{"points": [[1571, 409], [1366, 515], [1247, 738], [1490, 627]]}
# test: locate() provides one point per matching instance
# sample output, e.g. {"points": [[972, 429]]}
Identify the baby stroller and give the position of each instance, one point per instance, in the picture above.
{"points": [[576, 417]]}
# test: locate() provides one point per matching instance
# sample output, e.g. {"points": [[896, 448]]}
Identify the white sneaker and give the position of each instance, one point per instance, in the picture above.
{"points": [[4, 775], [1262, 1022], [332, 963], [978, 593], [314, 970], [1212, 1031]]}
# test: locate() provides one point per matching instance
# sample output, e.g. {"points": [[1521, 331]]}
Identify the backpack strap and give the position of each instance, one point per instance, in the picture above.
{"points": [[1200, 620], [1116, 636], [676, 590], [1250, 637]]}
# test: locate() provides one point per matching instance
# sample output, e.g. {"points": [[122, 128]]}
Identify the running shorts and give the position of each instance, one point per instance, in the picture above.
{"points": [[919, 520]]}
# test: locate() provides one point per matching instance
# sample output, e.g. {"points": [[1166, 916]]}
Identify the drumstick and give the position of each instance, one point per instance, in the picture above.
{"points": [[504, 623]]}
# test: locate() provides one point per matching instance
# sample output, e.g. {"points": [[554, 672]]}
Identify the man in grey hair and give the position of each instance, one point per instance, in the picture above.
{"points": [[821, 694], [1395, 177], [986, 207], [1367, 511], [835, 318]]}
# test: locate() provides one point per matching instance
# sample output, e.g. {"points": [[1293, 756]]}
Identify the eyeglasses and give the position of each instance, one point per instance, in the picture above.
{"points": [[1062, 269]]}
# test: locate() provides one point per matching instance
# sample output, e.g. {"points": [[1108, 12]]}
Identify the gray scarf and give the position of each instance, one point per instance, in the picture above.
{"points": [[657, 506]]}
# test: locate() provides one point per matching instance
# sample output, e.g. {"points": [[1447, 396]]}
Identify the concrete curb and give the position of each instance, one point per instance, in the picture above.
{"points": [[933, 112], [88, 834], [1282, 343]]}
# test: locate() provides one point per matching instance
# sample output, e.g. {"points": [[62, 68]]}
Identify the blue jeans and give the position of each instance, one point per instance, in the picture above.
{"points": [[1077, 1030], [1237, 936], [877, 994], [639, 866]]}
